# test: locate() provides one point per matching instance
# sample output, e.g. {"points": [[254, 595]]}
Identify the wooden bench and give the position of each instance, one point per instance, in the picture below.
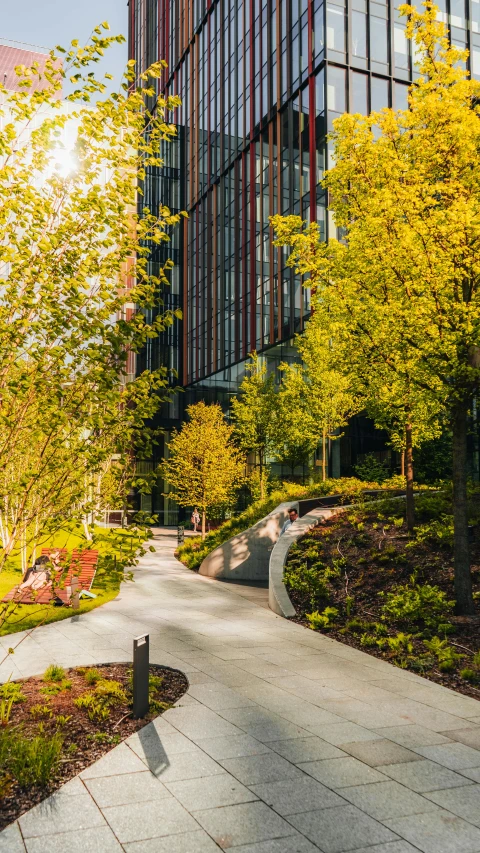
{"points": [[82, 566]]}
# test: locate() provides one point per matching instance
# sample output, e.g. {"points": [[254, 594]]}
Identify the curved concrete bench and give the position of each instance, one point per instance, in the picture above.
{"points": [[278, 598], [246, 556]]}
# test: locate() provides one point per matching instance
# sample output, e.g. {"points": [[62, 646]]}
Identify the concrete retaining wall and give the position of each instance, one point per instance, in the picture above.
{"points": [[246, 556], [278, 598]]}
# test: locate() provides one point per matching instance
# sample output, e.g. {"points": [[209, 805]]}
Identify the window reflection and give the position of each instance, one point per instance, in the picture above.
{"points": [[335, 28], [359, 94], [359, 34], [336, 89]]}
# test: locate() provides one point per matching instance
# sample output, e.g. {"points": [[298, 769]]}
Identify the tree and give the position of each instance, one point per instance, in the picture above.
{"points": [[359, 380], [74, 261], [294, 430], [332, 395], [405, 190], [203, 466], [253, 411]]}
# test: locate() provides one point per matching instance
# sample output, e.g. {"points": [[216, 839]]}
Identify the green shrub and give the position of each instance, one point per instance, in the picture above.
{"points": [[324, 620], [12, 690], [401, 644], [355, 626], [446, 657], [105, 696], [56, 687], [95, 708], [412, 604], [349, 603], [93, 675], [469, 675], [368, 640], [438, 530], [31, 760], [372, 469], [54, 673], [6, 706], [38, 711], [307, 582]]}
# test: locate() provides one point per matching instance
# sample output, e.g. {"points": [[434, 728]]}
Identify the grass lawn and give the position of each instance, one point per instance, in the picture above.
{"points": [[117, 549]]}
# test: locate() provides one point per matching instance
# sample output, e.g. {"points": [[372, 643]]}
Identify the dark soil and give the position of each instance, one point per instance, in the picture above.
{"points": [[372, 556], [84, 740]]}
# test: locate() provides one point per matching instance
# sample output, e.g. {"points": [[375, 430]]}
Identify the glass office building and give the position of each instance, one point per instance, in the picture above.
{"points": [[260, 82]]}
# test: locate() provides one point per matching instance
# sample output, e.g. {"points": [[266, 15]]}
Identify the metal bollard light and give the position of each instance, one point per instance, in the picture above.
{"points": [[180, 534], [141, 646]]}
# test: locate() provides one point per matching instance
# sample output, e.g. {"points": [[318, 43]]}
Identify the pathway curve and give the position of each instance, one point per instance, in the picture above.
{"points": [[286, 742]]}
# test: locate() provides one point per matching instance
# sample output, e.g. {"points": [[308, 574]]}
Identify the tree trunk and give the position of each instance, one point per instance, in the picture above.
{"points": [[410, 500], [262, 488], [324, 455], [204, 516], [402, 463], [86, 529], [476, 447], [463, 579]]}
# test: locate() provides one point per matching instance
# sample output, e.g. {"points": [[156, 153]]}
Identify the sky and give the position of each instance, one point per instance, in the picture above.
{"points": [[47, 23]]}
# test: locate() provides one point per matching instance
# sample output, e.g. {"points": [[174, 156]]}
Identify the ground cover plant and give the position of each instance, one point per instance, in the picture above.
{"points": [[363, 579], [194, 551], [55, 725], [118, 550]]}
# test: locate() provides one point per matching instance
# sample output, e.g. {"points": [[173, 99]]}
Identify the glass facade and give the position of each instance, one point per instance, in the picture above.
{"points": [[260, 82]]}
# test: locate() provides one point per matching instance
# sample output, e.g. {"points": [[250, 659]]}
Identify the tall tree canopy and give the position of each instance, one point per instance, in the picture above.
{"points": [[404, 282], [74, 263]]}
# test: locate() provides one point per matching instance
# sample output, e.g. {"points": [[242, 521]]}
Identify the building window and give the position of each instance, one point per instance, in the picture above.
{"points": [[336, 89], [335, 28], [358, 94], [400, 43], [475, 60], [400, 92], [359, 34], [475, 12], [317, 38], [400, 95], [457, 13], [320, 92], [379, 94], [378, 40]]}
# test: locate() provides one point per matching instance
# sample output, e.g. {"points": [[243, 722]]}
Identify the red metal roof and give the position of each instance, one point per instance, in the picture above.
{"points": [[10, 57]]}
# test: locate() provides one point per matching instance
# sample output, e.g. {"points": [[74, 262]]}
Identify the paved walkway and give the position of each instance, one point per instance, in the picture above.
{"points": [[287, 742]]}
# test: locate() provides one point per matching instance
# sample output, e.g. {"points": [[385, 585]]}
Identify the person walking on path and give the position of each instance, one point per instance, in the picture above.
{"points": [[195, 519], [292, 516]]}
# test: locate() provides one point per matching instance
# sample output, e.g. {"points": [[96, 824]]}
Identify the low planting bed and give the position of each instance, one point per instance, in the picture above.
{"points": [[363, 580], [54, 726]]}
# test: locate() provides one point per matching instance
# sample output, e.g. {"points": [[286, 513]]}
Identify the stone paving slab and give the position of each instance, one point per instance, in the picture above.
{"points": [[286, 742]]}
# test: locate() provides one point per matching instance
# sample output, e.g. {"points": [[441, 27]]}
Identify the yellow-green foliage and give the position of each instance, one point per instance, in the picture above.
{"points": [[106, 695], [194, 551], [29, 760], [395, 289], [204, 468], [322, 621]]}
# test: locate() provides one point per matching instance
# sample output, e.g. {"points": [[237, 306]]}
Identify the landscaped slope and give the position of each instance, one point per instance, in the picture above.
{"points": [[362, 579], [193, 552]]}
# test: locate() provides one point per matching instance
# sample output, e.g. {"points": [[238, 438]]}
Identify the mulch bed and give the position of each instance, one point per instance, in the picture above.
{"points": [[85, 740], [377, 558]]}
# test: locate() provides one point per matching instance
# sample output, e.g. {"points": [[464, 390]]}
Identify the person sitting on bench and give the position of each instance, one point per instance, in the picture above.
{"points": [[38, 575]]}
